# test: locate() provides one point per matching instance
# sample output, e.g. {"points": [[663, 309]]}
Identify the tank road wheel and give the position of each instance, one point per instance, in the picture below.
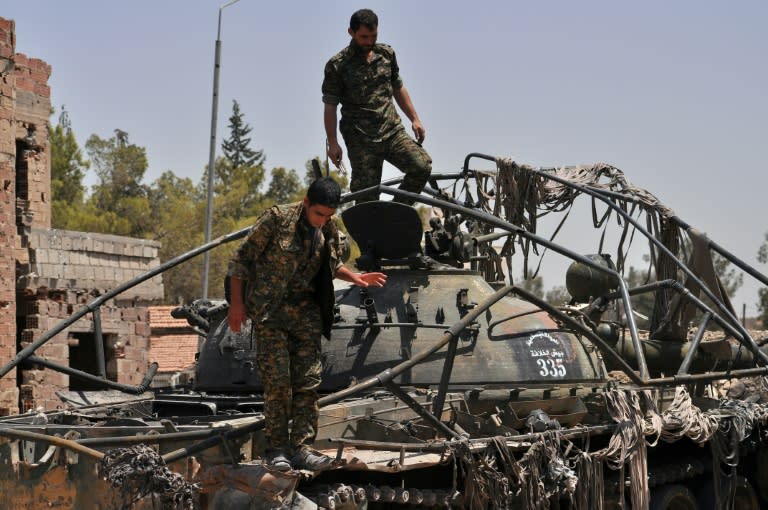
{"points": [[761, 476], [613, 504], [744, 499], [672, 497]]}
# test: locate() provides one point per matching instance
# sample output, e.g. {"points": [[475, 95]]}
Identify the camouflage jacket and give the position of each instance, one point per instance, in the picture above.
{"points": [[364, 90], [276, 260]]}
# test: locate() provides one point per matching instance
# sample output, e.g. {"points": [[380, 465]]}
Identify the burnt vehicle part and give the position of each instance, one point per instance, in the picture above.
{"points": [[440, 396]]}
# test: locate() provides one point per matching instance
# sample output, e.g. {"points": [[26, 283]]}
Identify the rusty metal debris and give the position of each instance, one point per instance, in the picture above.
{"points": [[139, 471]]}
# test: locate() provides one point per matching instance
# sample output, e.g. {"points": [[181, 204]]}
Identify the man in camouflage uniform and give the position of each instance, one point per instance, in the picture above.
{"points": [[364, 77], [276, 281]]}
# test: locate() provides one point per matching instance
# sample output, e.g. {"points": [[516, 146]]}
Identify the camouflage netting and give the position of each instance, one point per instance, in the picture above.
{"points": [[521, 194], [139, 471], [554, 466]]}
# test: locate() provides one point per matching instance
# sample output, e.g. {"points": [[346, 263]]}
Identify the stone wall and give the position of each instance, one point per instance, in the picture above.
{"points": [[63, 259]]}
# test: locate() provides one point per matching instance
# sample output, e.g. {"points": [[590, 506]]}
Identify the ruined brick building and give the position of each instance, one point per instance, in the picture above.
{"points": [[47, 274]]}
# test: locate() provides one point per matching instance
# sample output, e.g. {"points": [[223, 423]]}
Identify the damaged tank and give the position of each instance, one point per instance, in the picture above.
{"points": [[451, 386]]}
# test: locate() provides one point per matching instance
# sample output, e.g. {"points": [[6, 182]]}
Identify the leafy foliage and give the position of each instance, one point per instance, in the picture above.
{"points": [[177, 218], [731, 279], [67, 171], [120, 195], [284, 187], [533, 285], [557, 296]]}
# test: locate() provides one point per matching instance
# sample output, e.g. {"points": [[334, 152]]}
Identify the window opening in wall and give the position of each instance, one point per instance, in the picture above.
{"points": [[22, 170], [25, 399], [23, 217], [83, 357]]}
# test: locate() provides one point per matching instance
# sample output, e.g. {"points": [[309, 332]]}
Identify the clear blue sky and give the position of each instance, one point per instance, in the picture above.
{"points": [[673, 93]]}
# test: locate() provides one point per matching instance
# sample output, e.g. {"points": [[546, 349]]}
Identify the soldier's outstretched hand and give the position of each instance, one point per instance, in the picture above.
{"points": [[372, 279], [361, 279]]}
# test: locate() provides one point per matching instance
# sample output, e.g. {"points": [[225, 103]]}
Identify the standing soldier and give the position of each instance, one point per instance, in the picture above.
{"points": [[280, 278], [364, 77]]}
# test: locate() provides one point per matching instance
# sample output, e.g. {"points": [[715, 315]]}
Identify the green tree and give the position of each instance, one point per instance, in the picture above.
{"points": [[284, 186], [67, 171], [240, 193], [731, 279], [237, 147], [239, 174], [557, 296], [177, 222], [533, 285], [120, 167]]}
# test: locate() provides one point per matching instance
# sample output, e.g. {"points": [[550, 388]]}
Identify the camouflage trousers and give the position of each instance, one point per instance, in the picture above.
{"points": [[367, 159], [289, 365]]}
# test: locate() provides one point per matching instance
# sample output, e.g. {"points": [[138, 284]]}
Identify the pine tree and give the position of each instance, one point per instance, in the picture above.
{"points": [[67, 163], [237, 147]]}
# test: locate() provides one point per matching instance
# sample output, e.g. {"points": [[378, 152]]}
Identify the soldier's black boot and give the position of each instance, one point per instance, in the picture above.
{"points": [[278, 460], [311, 460]]}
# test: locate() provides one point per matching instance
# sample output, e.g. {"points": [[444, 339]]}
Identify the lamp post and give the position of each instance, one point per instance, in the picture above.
{"points": [[212, 150]]}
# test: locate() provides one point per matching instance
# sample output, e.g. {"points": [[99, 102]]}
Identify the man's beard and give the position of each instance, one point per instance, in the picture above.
{"points": [[364, 49]]}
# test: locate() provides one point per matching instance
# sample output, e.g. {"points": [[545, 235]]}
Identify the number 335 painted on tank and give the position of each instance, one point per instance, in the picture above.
{"points": [[548, 354]]}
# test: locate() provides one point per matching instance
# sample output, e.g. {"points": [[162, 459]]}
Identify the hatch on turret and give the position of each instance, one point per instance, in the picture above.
{"points": [[384, 230]]}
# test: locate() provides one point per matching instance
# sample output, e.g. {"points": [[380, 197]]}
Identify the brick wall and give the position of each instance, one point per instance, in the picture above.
{"points": [[173, 343], [24, 197], [9, 241], [47, 275], [33, 108]]}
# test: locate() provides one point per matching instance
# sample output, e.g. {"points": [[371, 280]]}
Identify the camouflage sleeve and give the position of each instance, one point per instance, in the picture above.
{"points": [[397, 81], [335, 245], [253, 246], [333, 87]]}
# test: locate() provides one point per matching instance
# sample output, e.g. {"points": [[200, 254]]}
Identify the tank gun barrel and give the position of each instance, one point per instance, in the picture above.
{"points": [[193, 317]]}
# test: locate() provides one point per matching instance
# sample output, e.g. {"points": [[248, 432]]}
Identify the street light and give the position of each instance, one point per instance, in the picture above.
{"points": [[212, 150]]}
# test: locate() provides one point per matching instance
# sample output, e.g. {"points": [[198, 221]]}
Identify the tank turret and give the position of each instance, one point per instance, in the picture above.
{"points": [[513, 343]]}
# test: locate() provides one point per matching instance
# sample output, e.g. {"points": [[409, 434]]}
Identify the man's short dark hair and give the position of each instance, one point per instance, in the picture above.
{"points": [[324, 191], [363, 17]]}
